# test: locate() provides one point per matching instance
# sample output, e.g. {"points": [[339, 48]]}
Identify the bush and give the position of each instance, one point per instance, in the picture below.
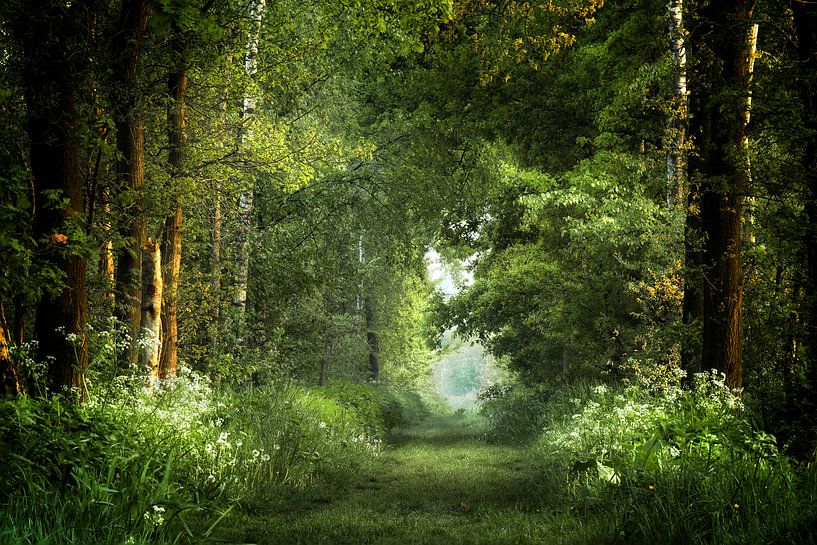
{"points": [[665, 465], [382, 408], [514, 413]]}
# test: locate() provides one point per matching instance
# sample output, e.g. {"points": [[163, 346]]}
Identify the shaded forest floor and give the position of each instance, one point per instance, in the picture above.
{"points": [[436, 483]]}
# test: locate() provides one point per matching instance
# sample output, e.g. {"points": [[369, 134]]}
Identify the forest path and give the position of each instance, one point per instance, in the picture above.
{"points": [[436, 483]]}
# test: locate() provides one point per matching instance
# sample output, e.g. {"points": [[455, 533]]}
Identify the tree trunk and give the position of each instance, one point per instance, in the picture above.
{"points": [[107, 265], [323, 379], [18, 329], [130, 169], [245, 202], [693, 303], [721, 88], [215, 266], [9, 379], [172, 243], [151, 310], [372, 339], [678, 125], [172, 261], [51, 79], [748, 231]]}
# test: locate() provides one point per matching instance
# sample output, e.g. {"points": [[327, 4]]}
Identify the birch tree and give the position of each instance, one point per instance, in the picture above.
{"points": [[245, 202]]}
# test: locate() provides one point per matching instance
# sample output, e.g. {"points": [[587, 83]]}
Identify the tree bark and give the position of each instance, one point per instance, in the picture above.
{"points": [[9, 378], [50, 34], [372, 339], [172, 234], [18, 329], [107, 264], [151, 311], [693, 302], [245, 202], [323, 379], [678, 125], [721, 88], [130, 169]]}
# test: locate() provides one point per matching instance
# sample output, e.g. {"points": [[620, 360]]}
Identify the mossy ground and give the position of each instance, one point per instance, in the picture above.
{"points": [[435, 483]]}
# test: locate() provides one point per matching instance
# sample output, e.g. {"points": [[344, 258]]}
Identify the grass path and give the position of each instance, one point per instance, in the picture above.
{"points": [[436, 483]]}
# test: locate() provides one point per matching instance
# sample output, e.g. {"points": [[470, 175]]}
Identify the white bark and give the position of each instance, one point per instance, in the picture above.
{"points": [[151, 319], [676, 157], [245, 201]]}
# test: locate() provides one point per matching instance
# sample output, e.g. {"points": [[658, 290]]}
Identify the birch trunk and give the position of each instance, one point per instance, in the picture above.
{"points": [[372, 339], [245, 202], [678, 126], [151, 311], [749, 202], [323, 379], [681, 190]]}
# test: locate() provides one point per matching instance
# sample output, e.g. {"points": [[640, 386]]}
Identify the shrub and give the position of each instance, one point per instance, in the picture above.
{"points": [[514, 413], [665, 465]]}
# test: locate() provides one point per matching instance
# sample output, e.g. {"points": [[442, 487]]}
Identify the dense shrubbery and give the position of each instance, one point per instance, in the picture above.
{"points": [[664, 465], [514, 413], [165, 465]]}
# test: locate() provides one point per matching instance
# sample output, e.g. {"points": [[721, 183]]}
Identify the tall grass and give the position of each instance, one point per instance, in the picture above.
{"points": [[167, 465]]}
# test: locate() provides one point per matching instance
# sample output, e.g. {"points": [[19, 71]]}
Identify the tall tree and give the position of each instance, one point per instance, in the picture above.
{"points": [[172, 232], [130, 167], [721, 85], [245, 203], [676, 157], [151, 308], [52, 37]]}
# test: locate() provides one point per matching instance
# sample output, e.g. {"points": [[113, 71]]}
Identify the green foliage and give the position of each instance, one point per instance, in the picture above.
{"points": [[167, 465], [79, 477], [671, 465], [513, 413], [557, 288], [381, 409]]}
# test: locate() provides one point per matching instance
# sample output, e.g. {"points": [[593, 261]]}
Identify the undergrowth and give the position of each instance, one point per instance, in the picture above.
{"points": [[660, 465], [168, 465]]}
